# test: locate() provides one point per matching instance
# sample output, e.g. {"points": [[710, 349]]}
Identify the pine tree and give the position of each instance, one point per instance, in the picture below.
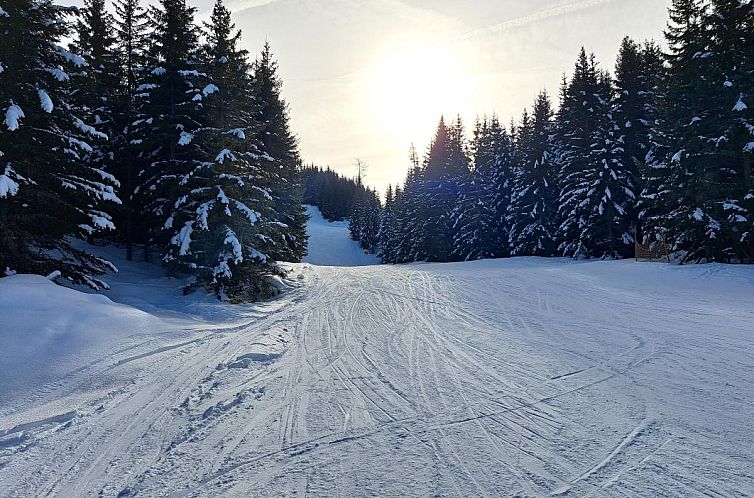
{"points": [[634, 111], [171, 94], [696, 187], [534, 198], [610, 195], [49, 194], [652, 171], [356, 220], [480, 216], [98, 82], [446, 169], [97, 90], [224, 223], [130, 28], [409, 225], [371, 224], [386, 235], [732, 114], [280, 147], [597, 192]]}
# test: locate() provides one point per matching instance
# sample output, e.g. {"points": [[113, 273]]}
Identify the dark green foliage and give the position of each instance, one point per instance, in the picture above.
{"points": [[409, 226], [703, 159], [332, 193], [365, 220], [480, 218], [446, 170], [534, 199], [50, 192], [222, 221], [194, 134], [281, 150], [130, 27], [388, 230]]}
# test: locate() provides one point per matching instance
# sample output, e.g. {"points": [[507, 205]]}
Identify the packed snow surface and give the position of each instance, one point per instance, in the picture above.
{"points": [[522, 377], [330, 243]]}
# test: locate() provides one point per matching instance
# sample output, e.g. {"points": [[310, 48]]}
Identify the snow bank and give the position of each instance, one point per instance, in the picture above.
{"points": [[47, 332], [330, 244]]}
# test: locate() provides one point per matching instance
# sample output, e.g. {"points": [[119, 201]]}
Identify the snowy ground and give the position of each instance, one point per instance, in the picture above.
{"points": [[522, 377]]}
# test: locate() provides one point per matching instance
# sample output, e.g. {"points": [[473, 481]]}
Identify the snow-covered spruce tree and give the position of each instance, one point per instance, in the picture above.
{"points": [[131, 43], [409, 227], [223, 222], [98, 82], [699, 180], [367, 220], [732, 112], [479, 218], [48, 193], [534, 199], [500, 163], [386, 235], [170, 96], [652, 171], [597, 192], [281, 146], [576, 124], [637, 74], [356, 220], [446, 169], [611, 195]]}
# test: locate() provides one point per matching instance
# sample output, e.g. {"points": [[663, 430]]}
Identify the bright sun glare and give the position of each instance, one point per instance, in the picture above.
{"points": [[411, 88]]}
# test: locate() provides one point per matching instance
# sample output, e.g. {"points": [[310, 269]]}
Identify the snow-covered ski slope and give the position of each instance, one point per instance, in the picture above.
{"points": [[330, 243], [522, 377]]}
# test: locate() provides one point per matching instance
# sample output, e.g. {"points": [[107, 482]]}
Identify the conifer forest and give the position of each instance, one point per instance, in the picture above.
{"points": [[150, 131], [657, 152]]}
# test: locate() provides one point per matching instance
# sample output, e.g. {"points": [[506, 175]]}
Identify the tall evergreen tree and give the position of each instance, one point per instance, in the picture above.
{"points": [[409, 226], [365, 220], [576, 125], [446, 169], [386, 236], [731, 111], [597, 191], [98, 82], [637, 75], [653, 171], [479, 218], [696, 186], [280, 148], [171, 94], [131, 43], [534, 198], [49, 193], [224, 222]]}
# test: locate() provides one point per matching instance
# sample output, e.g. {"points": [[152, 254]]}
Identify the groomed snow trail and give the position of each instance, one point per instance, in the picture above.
{"points": [[331, 243], [524, 377]]}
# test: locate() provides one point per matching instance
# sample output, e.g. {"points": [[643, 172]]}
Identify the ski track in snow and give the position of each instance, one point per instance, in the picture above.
{"points": [[524, 377]]}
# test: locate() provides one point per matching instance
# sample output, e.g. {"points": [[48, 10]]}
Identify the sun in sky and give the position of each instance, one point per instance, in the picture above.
{"points": [[410, 88]]}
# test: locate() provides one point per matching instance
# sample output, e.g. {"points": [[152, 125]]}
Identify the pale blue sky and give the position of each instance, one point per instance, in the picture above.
{"points": [[366, 78]]}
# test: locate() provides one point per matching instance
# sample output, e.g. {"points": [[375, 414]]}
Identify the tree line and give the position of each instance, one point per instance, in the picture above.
{"points": [[659, 153], [148, 130], [336, 196]]}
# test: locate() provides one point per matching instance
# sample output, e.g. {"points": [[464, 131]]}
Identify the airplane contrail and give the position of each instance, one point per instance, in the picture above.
{"points": [[558, 10]]}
